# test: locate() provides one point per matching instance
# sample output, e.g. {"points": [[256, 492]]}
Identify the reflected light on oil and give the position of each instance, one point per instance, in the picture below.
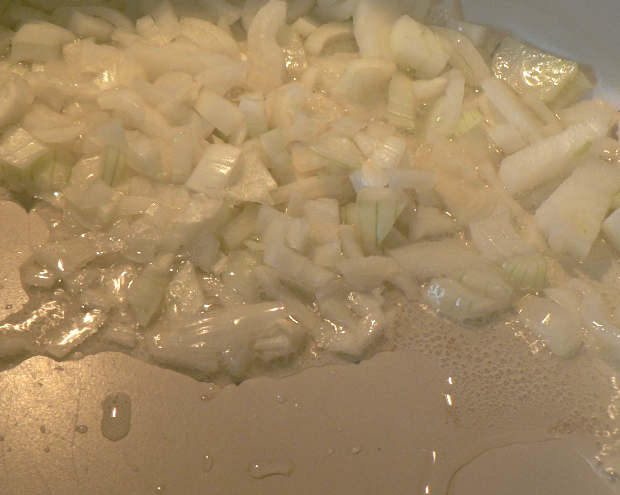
{"points": [[449, 400], [73, 334]]}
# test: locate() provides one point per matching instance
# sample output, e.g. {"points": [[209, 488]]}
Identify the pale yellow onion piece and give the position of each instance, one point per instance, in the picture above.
{"points": [[209, 36], [265, 57], [417, 48], [372, 23], [446, 112], [512, 108], [548, 158], [364, 78], [571, 217], [328, 33]]}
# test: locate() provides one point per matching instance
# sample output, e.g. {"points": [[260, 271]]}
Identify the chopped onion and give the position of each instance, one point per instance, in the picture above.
{"points": [[224, 115], [325, 34], [559, 329], [148, 290], [215, 169], [402, 102], [417, 48], [443, 118], [372, 24], [252, 106], [548, 158], [571, 217], [82, 24], [265, 57], [430, 222], [378, 209], [39, 42], [611, 228], [496, 238], [295, 267], [424, 260], [209, 36], [458, 302], [339, 150], [364, 78], [526, 272]]}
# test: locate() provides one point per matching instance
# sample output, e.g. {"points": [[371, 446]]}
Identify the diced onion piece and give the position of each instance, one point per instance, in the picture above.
{"points": [[390, 154], [427, 89], [571, 217], [402, 102], [488, 283], [586, 110], [327, 255], [378, 209], [304, 26], [15, 98], [465, 56], [217, 110], [372, 24], [361, 325], [18, 149], [475, 32], [468, 200], [364, 78], [148, 290], [184, 296], [252, 106], [470, 119], [339, 150], [496, 238], [527, 272], [419, 180], [296, 267], [269, 281], [114, 166], [39, 42], [265, 57], [215, 169], [370, 175], [560, 330], [424, 260], [335, 10], [113, 16], [224, 12], [65, 257], [350, 242], [325, 34], [417, 48], [458, 302], [82, 24], [240, 228], [507, 137], [255, 182], [548, 158], [366, 273], [278, 227], [323, 216], [443, 118], [512, 108], [223, 77], [430, 222], [209, 36], [611, 228]]}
